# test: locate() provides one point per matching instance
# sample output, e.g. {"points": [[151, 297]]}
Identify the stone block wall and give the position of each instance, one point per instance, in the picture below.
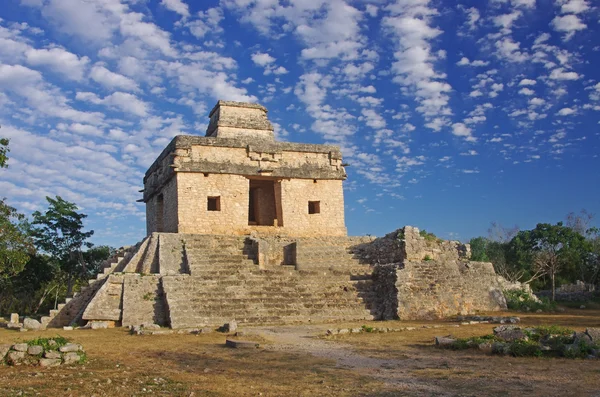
{"points": [[420, 277], [144, 301], [193, 192]]}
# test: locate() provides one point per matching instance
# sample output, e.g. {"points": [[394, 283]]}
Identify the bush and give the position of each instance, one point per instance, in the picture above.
{"points": [[428, 236], [525, 348], [521, 300]]}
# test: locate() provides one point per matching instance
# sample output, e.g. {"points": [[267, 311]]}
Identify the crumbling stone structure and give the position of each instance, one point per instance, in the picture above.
{"points": [[242, 227], [423, 277]]}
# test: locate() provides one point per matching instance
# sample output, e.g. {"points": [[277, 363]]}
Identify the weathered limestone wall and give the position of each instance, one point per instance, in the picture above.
{"points": [[234, 119], [296, 194], [427, 278], [194, 190], [418, 248], [144, 301]]}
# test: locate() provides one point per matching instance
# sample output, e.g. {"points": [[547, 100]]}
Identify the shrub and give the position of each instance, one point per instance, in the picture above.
{"points": [[525, 348], [45, 342], [427, 258], [521, 300], [428, 236]]}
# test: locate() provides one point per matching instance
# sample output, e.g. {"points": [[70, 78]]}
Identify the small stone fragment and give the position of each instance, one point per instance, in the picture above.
{"points": [[35, 350], [15, 357], [594, 334], [71, 358], [50, 362], [30, 323], [4, 349], [67, 328], [52, 354], [70, 347], [444, 340], [14, 318], [241, 344], [20, 347]]}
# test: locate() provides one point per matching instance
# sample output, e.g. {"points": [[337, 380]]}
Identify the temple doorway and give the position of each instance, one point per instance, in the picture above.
{"points": [[264, 206]]}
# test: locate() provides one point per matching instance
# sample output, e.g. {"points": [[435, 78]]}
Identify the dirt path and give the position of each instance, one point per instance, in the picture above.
{"points": [[393, 372]]}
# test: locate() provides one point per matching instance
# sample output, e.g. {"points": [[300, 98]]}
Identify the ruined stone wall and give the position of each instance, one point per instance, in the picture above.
{"points": [[436, 289], [418, 248], [420, 277]]}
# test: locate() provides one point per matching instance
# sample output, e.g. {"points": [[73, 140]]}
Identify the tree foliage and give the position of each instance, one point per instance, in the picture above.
{"points": [[16, 246], [4, 149], [59, 233]]}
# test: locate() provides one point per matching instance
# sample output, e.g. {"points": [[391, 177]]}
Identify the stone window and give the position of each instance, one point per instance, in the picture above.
{"points": [[314, 207], [214, 203]]}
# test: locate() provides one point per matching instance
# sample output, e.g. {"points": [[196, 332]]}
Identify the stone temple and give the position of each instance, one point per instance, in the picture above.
{"points": [[244, 227]]}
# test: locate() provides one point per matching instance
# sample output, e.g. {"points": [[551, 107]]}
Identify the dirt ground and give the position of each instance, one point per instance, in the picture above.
{"points": [[301, 361]]}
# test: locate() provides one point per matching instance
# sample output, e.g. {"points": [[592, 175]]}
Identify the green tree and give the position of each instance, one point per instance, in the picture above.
{"points": [[479, 249], [16, 246], [550, 249], [59, 233], [3, 152]]}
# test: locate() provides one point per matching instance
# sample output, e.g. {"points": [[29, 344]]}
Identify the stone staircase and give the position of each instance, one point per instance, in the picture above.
{"points": [[226, 284], [185, 280], [71, 311]]}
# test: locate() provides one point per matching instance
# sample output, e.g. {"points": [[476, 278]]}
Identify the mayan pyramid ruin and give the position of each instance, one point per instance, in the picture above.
{"points": [[244, 227]]}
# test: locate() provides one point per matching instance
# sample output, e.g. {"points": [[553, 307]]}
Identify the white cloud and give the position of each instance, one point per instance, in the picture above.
{"points": [[414, 66], [569, 24], [262, 59], [206, 22], [566, 112], [463, 61], [560, 74], [526, 91], [527, 82], [59, 60], [509, 50], [177, 6], [461, 130], [122, 101], [111, 80], [573, 6]]}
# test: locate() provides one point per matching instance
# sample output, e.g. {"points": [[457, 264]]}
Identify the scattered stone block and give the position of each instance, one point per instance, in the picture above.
{"points": [[343, 331], [581, 338], [71, 358], [35, 350], [67, 328], [14, 318], [99, 325], [511, 335], [52, 354], [229, 327], [444, 340], [356, 330], [50, 362], [594, 334], [15, 357], [206, 330], [20, 347], [241, 344], [3, 351], [14, 325], [70, 347], [23, 330], [30, 323]]}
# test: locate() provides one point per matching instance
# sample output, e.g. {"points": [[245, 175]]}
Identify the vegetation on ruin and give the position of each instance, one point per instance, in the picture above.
{"points": [[428, 236], [522, 301]]}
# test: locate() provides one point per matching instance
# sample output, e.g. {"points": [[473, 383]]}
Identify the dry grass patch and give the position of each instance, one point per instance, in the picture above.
{"points": [[179, 365]]}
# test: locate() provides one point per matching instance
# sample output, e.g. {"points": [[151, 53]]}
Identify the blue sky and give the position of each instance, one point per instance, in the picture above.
{"points": [[451, 114]]}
